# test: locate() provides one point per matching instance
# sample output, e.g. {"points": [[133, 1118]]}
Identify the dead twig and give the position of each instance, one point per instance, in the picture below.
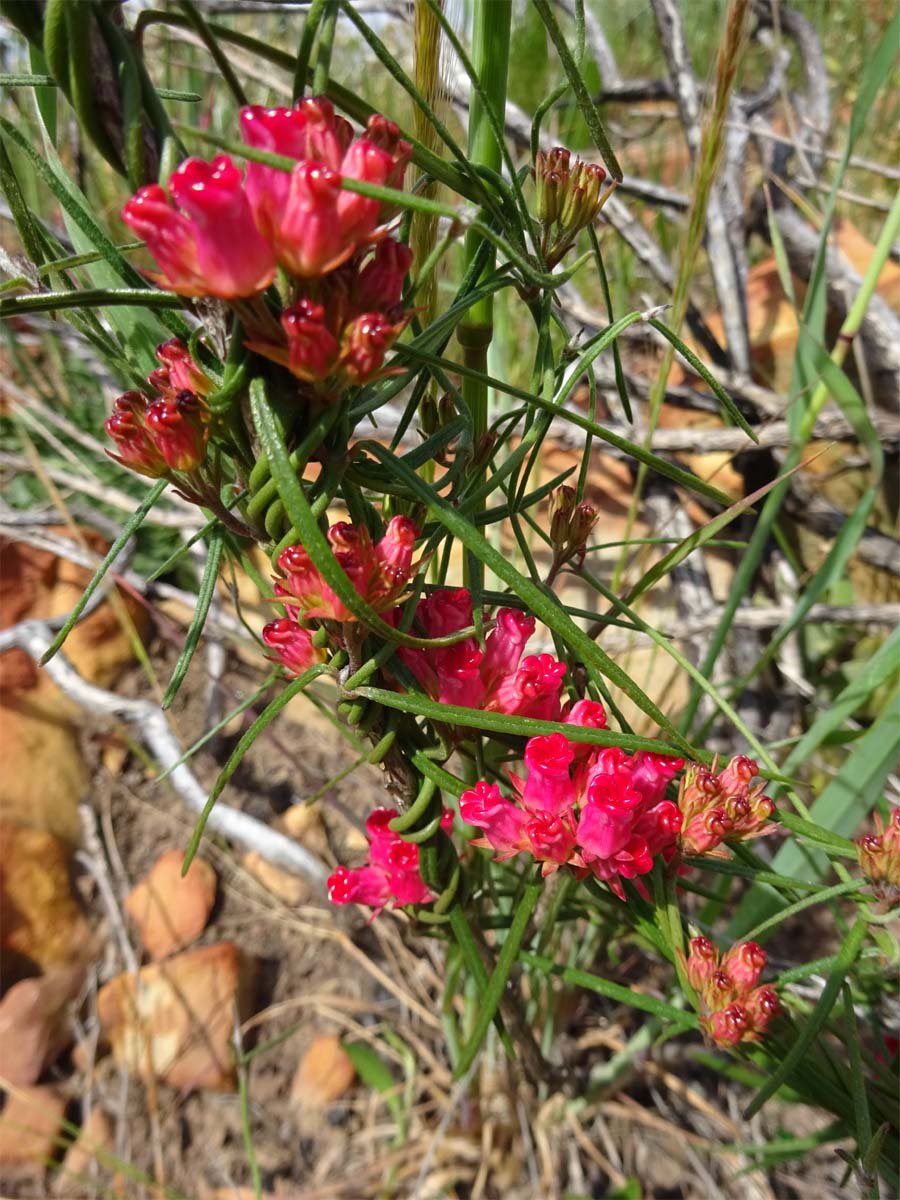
{"points": [[34, 637]]}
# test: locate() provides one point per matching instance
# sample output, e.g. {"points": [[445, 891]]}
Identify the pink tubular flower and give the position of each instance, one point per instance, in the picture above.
{"points": [[311, 220], [157, 436], [496, 679], [208, 245], [392, 872], [720, 808], [378, 572], [732, 1007], [292, 645], [309, 131]]}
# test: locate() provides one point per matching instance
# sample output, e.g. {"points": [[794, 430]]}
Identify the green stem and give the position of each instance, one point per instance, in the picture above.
{"points": [[490, 59]]}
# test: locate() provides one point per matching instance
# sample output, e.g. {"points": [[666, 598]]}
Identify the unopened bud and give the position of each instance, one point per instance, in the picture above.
{"points": [[562, 506]]}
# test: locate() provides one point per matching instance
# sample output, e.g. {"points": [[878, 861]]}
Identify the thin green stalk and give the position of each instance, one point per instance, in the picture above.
{"points": [[490, 59]]}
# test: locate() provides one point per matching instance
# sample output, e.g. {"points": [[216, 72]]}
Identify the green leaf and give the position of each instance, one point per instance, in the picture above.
{"points": [[813, 1024], [846, 801], [128, 529], [582, 95], [198, 620], [680, 552], [266, 717], [698, 366], [614, 991], [884, 664], [497, 722], [653, 461], [376, 1074]]}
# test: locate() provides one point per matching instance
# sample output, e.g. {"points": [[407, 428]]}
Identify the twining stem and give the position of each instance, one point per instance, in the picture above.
{"points": [[490, 58]]}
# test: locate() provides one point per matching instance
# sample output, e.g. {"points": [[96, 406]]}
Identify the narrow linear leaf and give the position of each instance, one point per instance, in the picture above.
{"points": [[493, 993], [680, 552], [845, 802], [496, 722], [133, 523], [614, 991], [205, 594], [266, 717], [861, 1117], [706, 375], [884, 664], [544, 607], [813, 1024], [582, 95]]}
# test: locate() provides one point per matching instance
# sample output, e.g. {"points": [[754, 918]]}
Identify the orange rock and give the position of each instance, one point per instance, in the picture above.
{"points": [[175, 1021], [41, 924], [171, 909], [325, 1072], [28, 1126], [32, 1023]]}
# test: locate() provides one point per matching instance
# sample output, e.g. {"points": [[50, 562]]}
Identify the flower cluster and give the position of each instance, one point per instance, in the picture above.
{"points": [[568, 196], [379, 571], [879, 858], [392, 872], [214, 232], [595, 810], [341, 339], [495, 679], [723, 807], [156, 435], [733, 1008]]}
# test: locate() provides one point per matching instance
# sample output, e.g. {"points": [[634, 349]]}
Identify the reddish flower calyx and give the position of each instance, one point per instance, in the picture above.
{"points": [[722, 807]]}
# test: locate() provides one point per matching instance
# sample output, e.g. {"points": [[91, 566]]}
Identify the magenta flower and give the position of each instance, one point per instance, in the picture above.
{"points": [[313, 223], [309, 131], [127, 426], [732, 1007], [379, 572], [392, 872], [206, 244], [599, 813], [292, 644], [157, 436]]}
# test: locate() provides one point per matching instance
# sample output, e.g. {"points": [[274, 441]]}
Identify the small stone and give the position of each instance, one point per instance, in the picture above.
{"points": [[32, 1023], [171, 909], [175, 1021], [325, 1072]]}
